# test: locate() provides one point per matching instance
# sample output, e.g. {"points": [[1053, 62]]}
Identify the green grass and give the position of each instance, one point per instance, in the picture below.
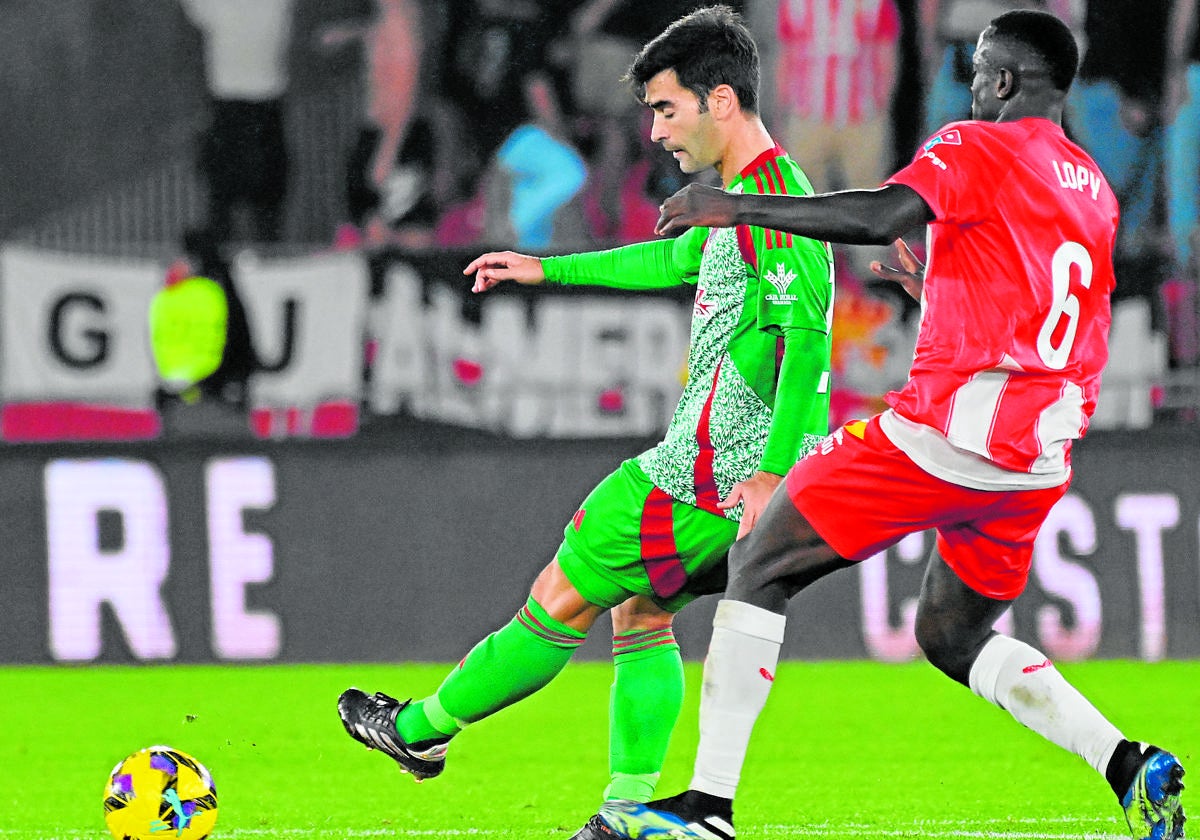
{"points": [[859, 750]]}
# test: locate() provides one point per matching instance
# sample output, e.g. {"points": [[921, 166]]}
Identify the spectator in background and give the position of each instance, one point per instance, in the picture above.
{"points": [[1181, 115], [199, 330], [389, 167], [230, 381], [491, 47], [535, 173], [1114, 112], [835, 73], [243, 153]]}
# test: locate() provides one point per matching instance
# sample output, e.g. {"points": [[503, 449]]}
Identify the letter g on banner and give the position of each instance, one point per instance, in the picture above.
{"points": [[74, 328], [93, 340]]}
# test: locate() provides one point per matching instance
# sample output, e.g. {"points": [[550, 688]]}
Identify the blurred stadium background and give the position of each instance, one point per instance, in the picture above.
{"points": [[392, 427]]}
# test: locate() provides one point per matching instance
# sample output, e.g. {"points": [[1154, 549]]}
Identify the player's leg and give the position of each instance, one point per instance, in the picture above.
{"points": [[954, 629], [805, 533], [507, 666], [668, 547], [645, 700], [781, 556]]}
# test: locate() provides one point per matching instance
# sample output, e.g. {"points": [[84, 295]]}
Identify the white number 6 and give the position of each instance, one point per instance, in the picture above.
{"points": [[1064, 303]]}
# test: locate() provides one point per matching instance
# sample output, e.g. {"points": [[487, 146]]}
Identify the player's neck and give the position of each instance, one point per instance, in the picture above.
{"points": [[1025, 107], [746, 142]]}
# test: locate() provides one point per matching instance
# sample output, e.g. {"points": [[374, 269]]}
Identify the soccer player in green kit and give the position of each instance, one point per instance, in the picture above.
{"points": [[655, 533]]}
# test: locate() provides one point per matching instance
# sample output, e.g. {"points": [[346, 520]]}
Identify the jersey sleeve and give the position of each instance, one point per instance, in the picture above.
{"points": [[953, 169], [795, 281], [801, 414], [658, 264]]}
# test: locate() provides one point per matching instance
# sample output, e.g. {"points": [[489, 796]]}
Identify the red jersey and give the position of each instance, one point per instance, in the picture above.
{"points": [[1015, 309]]}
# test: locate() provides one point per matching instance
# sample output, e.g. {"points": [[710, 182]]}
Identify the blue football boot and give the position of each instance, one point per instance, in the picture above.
{"points": [[1152, 803]]}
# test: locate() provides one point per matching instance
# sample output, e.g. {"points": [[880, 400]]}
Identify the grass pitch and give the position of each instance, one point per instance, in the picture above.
{"points": [[861, 750]]}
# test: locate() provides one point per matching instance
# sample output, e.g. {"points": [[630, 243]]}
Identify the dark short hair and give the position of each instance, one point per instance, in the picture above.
{"points": [[1043, 37], [709, 47]]}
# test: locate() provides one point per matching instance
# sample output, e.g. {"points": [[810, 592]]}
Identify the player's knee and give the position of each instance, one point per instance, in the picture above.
{"points": [[945, 648], [639, 613], [555, 593]]}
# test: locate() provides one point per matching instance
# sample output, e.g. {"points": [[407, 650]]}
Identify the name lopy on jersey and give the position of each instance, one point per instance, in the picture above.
{"points": [[1075, 176]]}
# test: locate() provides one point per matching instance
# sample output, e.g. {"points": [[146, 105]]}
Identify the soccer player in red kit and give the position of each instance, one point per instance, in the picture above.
{"points": [[976, 445]]}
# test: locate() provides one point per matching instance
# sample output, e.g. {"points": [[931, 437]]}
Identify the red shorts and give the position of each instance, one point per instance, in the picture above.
{"points": [[862, 494]]}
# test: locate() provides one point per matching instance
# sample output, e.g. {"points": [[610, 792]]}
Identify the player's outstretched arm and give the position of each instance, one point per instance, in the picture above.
{"points": [[910, 275], [497, 266], [854, 217]]}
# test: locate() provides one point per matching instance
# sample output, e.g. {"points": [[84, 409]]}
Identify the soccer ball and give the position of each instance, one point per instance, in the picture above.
{"points": [[160, 792]]}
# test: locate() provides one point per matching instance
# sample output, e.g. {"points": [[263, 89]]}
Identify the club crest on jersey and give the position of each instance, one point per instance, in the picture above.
{"points": [[701, 307], [781, 278]]}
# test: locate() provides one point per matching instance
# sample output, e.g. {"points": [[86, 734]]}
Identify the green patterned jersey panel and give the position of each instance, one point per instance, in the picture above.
{"points": [[719, 430]]}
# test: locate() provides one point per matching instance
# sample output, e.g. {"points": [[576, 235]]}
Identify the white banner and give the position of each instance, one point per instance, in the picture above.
{"points": [[579, 367], [308, 321], [75, 329], [75, 358]]}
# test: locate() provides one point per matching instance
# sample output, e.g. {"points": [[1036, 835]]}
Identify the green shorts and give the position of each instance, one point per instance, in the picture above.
{"points": [[630, 538]]}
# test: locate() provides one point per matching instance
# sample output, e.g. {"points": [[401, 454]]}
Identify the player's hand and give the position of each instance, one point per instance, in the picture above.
{"points": [[696, 205], [497, 266], [910, 275], [754, 493]]}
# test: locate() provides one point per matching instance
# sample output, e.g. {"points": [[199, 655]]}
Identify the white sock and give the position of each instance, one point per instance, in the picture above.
{"points": [[738, 674], [1022, 681]]}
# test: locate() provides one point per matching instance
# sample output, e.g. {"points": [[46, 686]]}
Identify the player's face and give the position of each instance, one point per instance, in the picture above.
{"points": [[685, 131]]}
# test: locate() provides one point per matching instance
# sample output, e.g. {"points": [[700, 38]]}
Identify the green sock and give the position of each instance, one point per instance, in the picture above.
{"points": [[647, 694], [510, 664]]}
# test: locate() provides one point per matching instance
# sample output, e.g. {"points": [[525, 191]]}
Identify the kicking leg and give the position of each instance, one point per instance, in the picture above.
{"points": [[954, 629], [507, 666]]}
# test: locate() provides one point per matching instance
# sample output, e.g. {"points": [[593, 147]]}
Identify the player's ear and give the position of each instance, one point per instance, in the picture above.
{"points": [[1006, 84], [722, 101]]}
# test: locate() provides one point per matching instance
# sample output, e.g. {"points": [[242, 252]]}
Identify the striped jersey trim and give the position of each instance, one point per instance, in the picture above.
{"points": [[768, 180], [704, 479]]}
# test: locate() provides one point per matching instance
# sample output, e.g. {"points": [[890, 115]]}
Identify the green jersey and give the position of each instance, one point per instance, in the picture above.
{"points": [[757, 390]]}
